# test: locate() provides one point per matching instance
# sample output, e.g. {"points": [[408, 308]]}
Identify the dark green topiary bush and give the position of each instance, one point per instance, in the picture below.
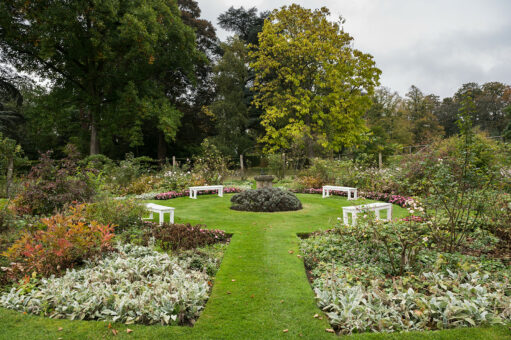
{"points": [[266, 200]]}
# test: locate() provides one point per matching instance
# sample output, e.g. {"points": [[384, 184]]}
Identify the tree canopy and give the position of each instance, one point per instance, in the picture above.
{"points": [[313, 86], [112, 58]]}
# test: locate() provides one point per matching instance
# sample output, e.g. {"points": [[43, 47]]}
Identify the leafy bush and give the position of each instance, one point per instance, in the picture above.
{"points": [[123, 214], [182, 236], [266, 200], [499, 215], [6, 218], [51, 185], [133, 285], [277, 165], [211, 165], [65, 241], [142, 184]]}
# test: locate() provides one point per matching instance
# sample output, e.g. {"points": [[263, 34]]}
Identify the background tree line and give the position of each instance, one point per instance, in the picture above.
{"points": [[153, 78]]}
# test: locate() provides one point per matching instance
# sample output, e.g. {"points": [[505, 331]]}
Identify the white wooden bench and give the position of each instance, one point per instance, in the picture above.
{"points": [[354, 210], [349, 190], [194, 190], [161, 210]]}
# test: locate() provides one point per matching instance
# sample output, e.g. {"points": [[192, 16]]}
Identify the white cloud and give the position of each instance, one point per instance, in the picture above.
{"points": [[436, 45]]}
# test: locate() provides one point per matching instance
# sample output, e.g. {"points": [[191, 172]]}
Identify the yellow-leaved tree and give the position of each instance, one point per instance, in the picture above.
{"points": [[311, 84]]}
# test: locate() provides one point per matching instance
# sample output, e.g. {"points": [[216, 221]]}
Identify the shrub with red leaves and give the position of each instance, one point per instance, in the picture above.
{"points": [[66, 241]]}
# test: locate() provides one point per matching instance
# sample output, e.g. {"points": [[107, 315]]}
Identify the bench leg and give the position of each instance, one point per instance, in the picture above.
{"points": [[354, 218], [345, 218], [355, 194], [171, 217], [221, 192], [377, 214], [162, 216], [389, 214], [323, 192]]}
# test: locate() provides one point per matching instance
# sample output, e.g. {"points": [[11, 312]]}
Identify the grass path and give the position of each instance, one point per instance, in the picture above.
{"points": [[260, 290]]}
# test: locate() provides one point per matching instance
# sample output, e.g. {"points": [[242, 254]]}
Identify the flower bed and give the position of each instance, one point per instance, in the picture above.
{"points": [[174, 194], [357, 287], [132, 285], [402, 201]]}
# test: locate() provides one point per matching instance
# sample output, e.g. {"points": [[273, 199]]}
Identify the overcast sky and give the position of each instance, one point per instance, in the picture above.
{"points": [[436, 45]]}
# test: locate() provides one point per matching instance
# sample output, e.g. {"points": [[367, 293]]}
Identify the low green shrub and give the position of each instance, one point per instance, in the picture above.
{"points": [[266, 200], [124, 214], [6, 218]]}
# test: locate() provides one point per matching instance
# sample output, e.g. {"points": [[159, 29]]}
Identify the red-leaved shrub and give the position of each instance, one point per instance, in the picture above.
{"points": [[66, 241], [182, 236]]}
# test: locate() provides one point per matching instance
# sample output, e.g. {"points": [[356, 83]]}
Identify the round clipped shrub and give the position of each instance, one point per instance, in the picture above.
{"points": [[266, 200]]}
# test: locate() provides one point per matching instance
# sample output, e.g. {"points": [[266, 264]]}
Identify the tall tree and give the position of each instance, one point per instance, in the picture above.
{"points": [[420, 111], [230, 110], [192, 92], [245, 23], [312, 85], [111, 56]]}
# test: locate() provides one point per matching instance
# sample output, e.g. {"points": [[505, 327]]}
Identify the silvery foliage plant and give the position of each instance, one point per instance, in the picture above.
{"points": [[133, 285], [455, 300]]}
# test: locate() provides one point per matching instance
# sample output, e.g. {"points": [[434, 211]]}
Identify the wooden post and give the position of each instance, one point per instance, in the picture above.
{"points": [[380, 160], [174, 163], [242, 170], [283, 165]]}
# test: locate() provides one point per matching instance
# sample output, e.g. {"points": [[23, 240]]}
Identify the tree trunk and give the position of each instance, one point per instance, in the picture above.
{"points": [[162, 146], [10, 169], [94, 140]]}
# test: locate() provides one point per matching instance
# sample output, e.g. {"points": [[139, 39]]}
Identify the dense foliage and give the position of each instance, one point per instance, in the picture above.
{"points": [[131, 285], [52, 184], [266, 200], [181, 236], [389, 277], [316, 103], [62, 242]]}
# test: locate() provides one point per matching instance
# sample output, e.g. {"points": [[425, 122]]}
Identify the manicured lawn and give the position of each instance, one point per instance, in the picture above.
{"points": [[260, 290]]}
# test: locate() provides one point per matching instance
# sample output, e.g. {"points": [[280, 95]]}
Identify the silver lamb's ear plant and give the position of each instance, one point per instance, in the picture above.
{"points": [[134, 285]]}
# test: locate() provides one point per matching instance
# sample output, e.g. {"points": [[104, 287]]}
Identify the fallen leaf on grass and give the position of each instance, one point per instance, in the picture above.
{"points": [[228, 292], [109, 325], [129, 330], [291, 251], [329, 330], [285, 330], [60, 328], [321, 318], [299, 256], [233, 280], [252, 296], [316, 315], [115, 331]]}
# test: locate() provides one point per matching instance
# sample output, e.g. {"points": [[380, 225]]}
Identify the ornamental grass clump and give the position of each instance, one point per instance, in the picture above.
{"points": [[132, 285], [266, 200]]}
